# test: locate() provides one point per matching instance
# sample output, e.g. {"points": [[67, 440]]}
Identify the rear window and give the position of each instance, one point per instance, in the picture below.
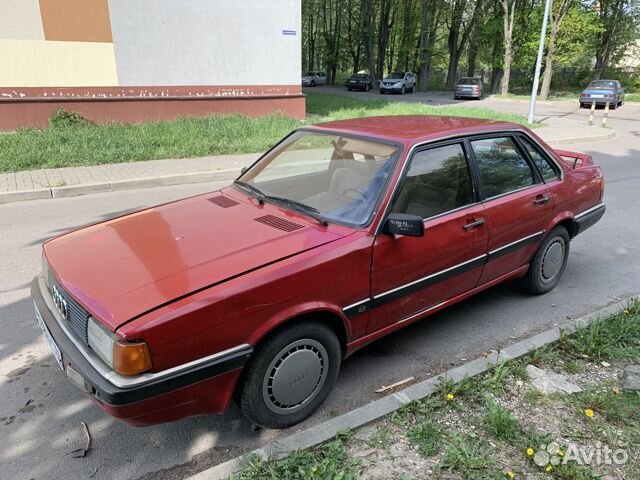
{"points": [[469, 81]]}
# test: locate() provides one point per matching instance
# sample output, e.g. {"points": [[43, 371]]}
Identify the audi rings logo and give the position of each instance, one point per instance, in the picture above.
{"points": [[60, 302]]}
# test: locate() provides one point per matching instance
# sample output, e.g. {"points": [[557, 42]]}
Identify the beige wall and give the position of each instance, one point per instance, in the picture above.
{"points": [[37, 63], [20, 19]]}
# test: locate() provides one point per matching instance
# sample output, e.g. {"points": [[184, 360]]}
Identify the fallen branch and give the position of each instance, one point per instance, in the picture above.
{"points": [[395, 385]]}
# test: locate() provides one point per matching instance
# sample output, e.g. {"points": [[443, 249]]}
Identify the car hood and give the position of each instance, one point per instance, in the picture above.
{"points": [[122, 268], [307, 77]]}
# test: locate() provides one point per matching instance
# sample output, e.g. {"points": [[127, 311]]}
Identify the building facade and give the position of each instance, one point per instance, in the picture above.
{"points": [[137, 60]]}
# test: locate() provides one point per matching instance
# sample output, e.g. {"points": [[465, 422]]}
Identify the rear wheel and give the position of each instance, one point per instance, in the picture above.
{"points": [[548, 263], [290, 375]]}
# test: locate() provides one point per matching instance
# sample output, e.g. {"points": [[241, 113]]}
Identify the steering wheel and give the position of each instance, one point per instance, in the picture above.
{"points": [[360, 193]]}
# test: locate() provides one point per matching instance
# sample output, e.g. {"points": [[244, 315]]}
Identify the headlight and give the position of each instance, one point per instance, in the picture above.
{"points": [[101, 341], [397, 84], [127, 358]]}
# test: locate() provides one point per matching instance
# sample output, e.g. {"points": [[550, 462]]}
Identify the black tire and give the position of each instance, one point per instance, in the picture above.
{"points": [[381, 92], [306, 355], [367, 88], [403, 90], [548, 263], [313, 83], [613, 106], [349, 88]]}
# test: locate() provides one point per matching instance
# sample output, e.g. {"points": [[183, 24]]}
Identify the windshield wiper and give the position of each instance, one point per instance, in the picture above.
{"points": [[301, 207], [252, 188], [290, 202]]}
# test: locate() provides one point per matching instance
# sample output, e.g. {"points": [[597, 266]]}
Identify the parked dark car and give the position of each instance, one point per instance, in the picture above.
{"points": [[602, 92], [359, 81], [341, 234], [470, 87], [398, 82]]}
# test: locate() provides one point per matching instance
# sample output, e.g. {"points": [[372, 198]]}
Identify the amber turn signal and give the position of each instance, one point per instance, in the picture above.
{"points": [[131, 358]]}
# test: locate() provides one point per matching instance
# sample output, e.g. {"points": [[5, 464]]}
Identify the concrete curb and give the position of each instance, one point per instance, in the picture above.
{"points": [[118, 185], [593, 138], [379, 408]]}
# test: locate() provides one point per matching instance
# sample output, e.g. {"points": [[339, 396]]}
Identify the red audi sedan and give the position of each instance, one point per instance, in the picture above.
{"points": [[340, 234]]}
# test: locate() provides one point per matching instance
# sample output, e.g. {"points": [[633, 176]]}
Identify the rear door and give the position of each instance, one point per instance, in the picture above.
{"points": [[410, 275], [518, 204]]}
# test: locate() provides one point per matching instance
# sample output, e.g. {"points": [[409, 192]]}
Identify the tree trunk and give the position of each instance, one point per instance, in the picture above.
{"points": [[508, 15], [368, 15], [556, 23], [458, 36], [429, 16]]}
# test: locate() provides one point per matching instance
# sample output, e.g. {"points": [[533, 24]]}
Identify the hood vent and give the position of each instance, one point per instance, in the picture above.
{"points": [[279, 223], [222, 201]]}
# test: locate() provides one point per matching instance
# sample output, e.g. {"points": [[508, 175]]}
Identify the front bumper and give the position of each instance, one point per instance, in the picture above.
{"points": [[126, 397], [467, 94], [390, 89], [597, 101]]}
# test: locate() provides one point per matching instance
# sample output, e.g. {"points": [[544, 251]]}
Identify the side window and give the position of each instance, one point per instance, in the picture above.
{"points": [[502, 167], [547, 170], [438, 180]]}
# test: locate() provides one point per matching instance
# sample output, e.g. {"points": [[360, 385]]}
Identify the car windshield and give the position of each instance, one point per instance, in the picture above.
{"points": [[469, 81], [309, 74], [602, 84], [336, 177], [395, 75], [360, 75]]}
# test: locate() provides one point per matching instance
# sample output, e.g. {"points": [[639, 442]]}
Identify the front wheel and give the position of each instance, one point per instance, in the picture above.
{"points": [[403, 90], [290, 375], [367, 88], [548, 263]]}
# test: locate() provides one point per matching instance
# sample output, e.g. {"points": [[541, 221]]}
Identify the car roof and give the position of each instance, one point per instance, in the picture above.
{"points": [[415, 128]]}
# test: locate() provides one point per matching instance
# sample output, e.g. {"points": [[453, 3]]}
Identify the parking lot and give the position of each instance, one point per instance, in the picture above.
{"points": [[41, 413]]}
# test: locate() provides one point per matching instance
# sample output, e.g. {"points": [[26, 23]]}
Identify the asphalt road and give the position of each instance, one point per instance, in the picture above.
{"points": [[41, 413]]}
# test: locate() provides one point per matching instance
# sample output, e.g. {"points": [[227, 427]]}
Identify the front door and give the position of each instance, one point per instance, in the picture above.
{"points": [[412, 274]]}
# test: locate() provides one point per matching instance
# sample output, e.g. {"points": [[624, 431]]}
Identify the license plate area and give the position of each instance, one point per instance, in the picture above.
{"points": [[57, 354]]}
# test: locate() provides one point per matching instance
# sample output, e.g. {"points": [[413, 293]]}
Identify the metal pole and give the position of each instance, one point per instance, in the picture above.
{"points": [[593, 109], [536, 77]]}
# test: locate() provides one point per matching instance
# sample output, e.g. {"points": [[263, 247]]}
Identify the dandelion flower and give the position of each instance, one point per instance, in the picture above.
{"points": [[530, 452], [510, 474], [560, 453], [450, 396], [314, 469], [616, 391], [588, 412], [549, 468], [626, 312]]}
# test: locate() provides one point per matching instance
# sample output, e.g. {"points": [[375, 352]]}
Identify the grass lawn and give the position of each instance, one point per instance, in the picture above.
{"points": [[72, 142], [498, 426]]}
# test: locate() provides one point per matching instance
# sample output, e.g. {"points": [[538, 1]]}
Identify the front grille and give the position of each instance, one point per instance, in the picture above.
{"points": [[78, 317]]}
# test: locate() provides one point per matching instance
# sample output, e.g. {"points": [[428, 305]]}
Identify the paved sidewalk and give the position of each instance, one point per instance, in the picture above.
{"points": [[72, 181]]}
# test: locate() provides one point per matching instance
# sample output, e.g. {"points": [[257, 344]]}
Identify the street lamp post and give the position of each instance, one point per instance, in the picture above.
{"points": [[536, 76]]}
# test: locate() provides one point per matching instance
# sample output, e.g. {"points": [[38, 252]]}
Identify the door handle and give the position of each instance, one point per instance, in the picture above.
{"points": [[540, 199], [475, 223]]}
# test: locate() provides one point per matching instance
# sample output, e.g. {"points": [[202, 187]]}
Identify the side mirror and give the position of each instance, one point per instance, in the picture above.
{"points": [[243, 170], [404, 224]]}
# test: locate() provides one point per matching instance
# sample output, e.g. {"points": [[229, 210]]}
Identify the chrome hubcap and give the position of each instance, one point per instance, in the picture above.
{"points": [[295, 376], [552, 260]]}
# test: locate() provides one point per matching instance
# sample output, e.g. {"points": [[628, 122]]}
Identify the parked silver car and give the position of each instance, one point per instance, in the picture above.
{"points": [[311, 79], [398, 82], [468, 87], [602, 92]]}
